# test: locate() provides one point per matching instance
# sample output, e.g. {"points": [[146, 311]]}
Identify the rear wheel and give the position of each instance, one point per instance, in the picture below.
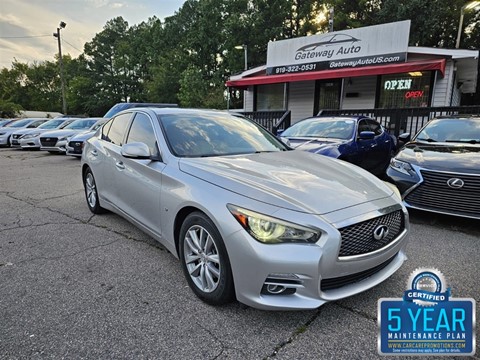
{"points": [[91, 193], [205, 260]]}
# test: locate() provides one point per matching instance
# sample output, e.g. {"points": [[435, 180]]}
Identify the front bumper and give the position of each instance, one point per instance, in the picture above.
{"points": [[60, 147], [75, 149], [311, 274], [32, 143]]}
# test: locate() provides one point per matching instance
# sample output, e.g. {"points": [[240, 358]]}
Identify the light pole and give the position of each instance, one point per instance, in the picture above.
{"points": [[330, 19], [244, 47], [60, 59], [467, 6]]}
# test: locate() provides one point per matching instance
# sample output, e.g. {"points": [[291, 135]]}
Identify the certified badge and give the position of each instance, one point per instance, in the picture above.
{"points": [[427, 320]]}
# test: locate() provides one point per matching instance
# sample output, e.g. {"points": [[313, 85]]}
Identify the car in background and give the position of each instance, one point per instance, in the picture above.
{"points": [[247, 216], [439, 169], [30, 138], [5, 122], [6, 131], [356, 139], [76, 142], [55, 142], [128, 105]]}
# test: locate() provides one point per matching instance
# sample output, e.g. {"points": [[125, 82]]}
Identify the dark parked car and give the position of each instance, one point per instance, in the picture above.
{"points": [[438, 170], [357, 139]]}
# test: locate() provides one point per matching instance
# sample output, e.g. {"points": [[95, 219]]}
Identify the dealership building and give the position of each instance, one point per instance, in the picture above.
{"points": [[366, 68]]}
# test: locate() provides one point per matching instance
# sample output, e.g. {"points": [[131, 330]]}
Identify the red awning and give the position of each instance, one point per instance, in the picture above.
{"points": [[424, 65]]}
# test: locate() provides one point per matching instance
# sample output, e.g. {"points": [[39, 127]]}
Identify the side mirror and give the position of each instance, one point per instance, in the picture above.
{"points": [[404, 138], [136, 150], [366, 135]]}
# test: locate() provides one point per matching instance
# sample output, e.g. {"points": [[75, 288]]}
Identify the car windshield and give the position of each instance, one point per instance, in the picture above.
{"points": [[97, 125], [51, 124], [20, 123], [451, 130], [194, 135], [83, 124], [322, 128]]}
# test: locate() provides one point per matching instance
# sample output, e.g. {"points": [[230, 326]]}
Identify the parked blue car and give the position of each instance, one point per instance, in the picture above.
{"points": [[357, 139]]}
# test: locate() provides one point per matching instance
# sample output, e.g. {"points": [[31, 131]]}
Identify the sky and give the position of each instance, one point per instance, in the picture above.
{"points": [[27, 26]]}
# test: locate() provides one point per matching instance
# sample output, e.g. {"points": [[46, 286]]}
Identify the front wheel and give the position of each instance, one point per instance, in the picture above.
{"points": [[91, 193], [205, 260]]}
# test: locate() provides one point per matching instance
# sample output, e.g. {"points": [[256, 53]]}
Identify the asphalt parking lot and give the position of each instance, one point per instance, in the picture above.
{"points": [[74, 285]]}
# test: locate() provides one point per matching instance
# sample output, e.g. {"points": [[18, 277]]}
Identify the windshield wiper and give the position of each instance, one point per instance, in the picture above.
{"points": [[427, 139], [471, 141]]}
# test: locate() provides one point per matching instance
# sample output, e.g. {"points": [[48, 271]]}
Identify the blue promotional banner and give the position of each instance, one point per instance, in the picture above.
{"points": [[445, 329]]}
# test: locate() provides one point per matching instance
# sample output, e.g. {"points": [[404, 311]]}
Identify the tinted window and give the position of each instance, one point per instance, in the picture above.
{"points": [[213, 134], [118, 129], [105, 130], [363, 126], [142, 131], [375, 127], [36, 123]]}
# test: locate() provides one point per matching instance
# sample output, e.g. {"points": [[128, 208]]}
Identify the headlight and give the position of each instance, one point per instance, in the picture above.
{"points": [[402, 166], [29, 136], [269, 230]]}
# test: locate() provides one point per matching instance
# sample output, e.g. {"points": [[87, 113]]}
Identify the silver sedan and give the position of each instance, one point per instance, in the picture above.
{"points": [[248, 217]]}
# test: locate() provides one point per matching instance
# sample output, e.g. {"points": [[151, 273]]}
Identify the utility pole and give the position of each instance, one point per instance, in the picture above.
{"points": [[60, 59], [330, 19]]}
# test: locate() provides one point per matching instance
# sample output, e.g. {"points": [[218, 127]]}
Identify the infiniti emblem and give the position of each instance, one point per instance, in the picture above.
{"points": [[455, 183], [380, 232]]}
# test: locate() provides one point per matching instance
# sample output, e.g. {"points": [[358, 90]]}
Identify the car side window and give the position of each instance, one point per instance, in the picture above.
{"points": [[105, 130], [142, 131], [375, 127], [363, 126], [117, 130]]}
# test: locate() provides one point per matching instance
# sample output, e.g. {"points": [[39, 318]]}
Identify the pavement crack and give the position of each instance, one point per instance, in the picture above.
{"points": [[34, 225], [68, 255], [296, 333], [358, 312]]}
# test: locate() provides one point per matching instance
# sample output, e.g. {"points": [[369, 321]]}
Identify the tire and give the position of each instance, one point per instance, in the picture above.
{"points": [[91, 194], [9, 144], [205, 260]]}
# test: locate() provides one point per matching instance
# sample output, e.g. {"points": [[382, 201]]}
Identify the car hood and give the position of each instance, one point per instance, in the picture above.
{"points": [[452, 157], [320, 145], [62, 133], [294, 180], [83, 136]]}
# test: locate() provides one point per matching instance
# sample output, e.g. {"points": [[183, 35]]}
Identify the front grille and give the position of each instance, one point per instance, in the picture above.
{"points": [[335, 283], [48, 141], [359, 238], [434, 194]]}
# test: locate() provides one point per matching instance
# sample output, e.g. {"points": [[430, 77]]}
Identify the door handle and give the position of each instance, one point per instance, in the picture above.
{"points": [[94, 152], [120, 165], [373, 145]]}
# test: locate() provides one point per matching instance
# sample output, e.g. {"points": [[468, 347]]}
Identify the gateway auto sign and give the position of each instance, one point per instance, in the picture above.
{"points": [[373, 45]]}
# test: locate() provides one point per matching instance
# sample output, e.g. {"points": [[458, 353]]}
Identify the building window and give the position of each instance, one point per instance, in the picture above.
{"points": [[270, 97], [405, 90]]}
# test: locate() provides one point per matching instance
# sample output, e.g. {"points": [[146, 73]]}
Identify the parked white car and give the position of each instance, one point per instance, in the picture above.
{"points": [[56, 141], [30, 138], [7, 131]]}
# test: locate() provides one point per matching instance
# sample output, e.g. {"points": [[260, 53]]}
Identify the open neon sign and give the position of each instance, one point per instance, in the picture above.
{"points": [[413, 94]]}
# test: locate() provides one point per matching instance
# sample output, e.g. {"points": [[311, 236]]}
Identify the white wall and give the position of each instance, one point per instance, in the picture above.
{"points": [[365, 87], [300, 99], [442, 94]]}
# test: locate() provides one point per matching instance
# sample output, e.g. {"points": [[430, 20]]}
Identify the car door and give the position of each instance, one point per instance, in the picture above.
{"points": [[382, 153], [366, 147], [138, 181], [109, 155]]}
